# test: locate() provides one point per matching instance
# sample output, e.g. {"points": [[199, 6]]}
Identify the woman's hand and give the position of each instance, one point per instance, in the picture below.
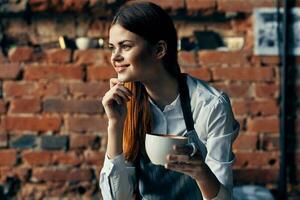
{"points": [[196, 168], [182, 162], [114, 101]]}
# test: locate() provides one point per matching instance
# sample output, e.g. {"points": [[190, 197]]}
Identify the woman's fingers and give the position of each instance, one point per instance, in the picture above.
{"points": [[175, 158], [122, 94], [190, 167], [113, 82], [178, 158], [126, 91], [117, 98], [185, 149], [187, 169], [117, 92]]}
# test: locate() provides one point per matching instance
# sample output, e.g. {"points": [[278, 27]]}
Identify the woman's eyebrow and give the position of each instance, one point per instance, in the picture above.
{"points": [[121, 42]]}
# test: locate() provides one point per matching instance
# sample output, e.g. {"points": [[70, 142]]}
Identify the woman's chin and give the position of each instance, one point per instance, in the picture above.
{"points": [[123, 78]]}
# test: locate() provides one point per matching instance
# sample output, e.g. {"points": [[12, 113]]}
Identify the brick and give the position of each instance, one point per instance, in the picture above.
{"points": [[260, 107], [97, 89], [32, 123], [238, 90], [20, 54], [243, 73], [69, 158], [212, 58], [45, 29], [3, 106], [88, 106], [242, 25], [45, 174], [200, 73], [266, 60], [200, 4], [242, 122], [269, 142], [9, 71], [58, 55], [100, 73], [37, 158], [242, 5], [245, 142], [169, 4], [257, 160], [13, 7], [240, 107], [15, 28], [23, 141], [265, 90], [264, 107], [73, 5], [83, 124], [84, 141], [94, 157], [2, 125], [258, 176], [14, 174], [92, 56], [20, 89], [32, 105], [8, 157], [263, 124], [3, 59], [33, 89], [31, 190], [187, 59], [54, 142], [53, 89], [96, 28], [38, 5], [3, 140], [67, 72]]}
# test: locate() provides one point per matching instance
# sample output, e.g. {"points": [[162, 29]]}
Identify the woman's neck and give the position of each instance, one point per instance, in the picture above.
{"points": [[163, 89]]}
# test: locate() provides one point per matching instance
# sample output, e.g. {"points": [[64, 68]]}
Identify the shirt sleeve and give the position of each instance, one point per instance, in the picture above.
{"points": [[117, 179], [222, 129]]}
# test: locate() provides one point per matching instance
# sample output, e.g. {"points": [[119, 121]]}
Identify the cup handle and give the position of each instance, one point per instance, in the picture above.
{"points": [[193, 145]]}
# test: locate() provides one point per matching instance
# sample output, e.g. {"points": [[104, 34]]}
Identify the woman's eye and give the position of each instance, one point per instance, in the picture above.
{"points": [[112, 49], [126, 47]]}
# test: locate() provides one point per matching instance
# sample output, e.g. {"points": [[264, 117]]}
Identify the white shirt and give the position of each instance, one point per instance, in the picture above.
{"points": [[216, 128]]}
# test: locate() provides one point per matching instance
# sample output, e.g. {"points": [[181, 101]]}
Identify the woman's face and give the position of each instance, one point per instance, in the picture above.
{"points": [[132, 56]]}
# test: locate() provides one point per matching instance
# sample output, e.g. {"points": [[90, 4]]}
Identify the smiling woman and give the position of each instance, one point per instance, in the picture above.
{"points": [[150, 95], [132, 57]]}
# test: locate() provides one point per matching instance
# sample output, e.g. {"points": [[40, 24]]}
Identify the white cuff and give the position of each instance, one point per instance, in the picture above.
{"points": [[115, 164]]}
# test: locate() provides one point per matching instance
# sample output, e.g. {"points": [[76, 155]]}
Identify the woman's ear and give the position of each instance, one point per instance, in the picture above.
{"points": [[161, 49]]}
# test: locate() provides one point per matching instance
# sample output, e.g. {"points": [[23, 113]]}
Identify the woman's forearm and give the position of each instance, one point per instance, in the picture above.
{"points": [[114, 139], [208, 184]]}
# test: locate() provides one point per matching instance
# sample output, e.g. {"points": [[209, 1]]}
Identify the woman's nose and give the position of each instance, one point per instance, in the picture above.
{"points": [[116, 56]]}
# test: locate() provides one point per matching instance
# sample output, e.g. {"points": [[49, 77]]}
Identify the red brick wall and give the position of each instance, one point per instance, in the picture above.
{"points": [[53, 127]]}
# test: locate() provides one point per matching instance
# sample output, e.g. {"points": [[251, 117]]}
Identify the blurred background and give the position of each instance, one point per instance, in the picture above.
{"points": [[54, 69]]}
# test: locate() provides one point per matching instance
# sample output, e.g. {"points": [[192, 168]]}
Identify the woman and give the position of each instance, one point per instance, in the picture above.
{"points": [[145, 98]]}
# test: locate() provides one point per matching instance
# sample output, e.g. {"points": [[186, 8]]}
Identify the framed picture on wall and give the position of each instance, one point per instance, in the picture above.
{"points": [[268, 31]]}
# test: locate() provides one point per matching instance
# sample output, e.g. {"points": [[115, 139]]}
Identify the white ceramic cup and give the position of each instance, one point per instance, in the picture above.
{"points": [[159, 146], [83, 43]]}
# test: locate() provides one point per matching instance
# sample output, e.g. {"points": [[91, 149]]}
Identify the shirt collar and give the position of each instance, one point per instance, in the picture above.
{"points": [[168, 107]]}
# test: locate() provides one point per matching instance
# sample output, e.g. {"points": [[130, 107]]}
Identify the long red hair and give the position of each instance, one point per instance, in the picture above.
{"points": [[137, 123]]}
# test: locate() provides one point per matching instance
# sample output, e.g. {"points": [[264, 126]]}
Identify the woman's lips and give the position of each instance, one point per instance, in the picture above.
{"points": [[121, 68]]}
